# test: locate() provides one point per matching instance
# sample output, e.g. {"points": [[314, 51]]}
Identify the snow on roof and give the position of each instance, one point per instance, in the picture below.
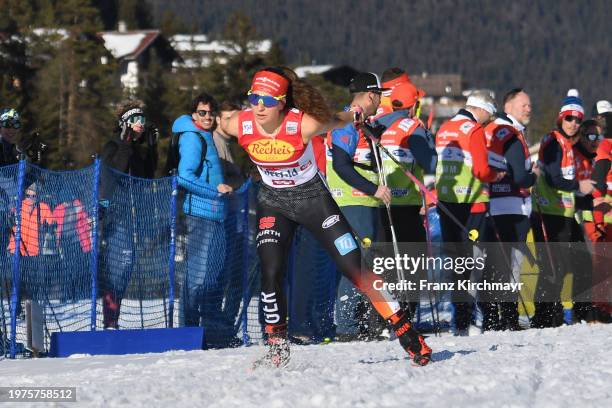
{"points": [[121, 45], [128, 44], [306, 70], [200, 43], [189, 38], [47, 32]]}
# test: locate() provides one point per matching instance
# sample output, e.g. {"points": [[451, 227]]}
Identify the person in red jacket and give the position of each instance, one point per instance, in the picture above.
{"points": [[510, 203], [462, 175]]}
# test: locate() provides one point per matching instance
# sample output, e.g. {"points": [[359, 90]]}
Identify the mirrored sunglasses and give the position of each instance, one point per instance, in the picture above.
{"points": [[594, 137], [267, 100]]}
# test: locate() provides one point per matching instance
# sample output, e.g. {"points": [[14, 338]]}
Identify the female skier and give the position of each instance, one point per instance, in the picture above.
{"points": [[285, 114]]}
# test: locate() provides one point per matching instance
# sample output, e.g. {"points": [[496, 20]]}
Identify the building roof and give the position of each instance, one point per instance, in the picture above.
{"points": [[201, 44], [439, 84], [306, 70], [129, 44]]}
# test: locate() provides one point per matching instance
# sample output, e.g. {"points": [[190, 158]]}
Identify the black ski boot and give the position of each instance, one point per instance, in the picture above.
{"points": [[410, 339]]}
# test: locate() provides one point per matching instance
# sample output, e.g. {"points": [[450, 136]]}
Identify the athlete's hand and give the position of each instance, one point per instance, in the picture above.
{"points": [[384, 194], [224, 188], [358, 115], [586, 186]]}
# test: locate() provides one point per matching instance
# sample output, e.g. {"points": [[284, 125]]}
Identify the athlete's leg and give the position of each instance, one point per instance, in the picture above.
{"points": [[274, 236], [324, 220]]}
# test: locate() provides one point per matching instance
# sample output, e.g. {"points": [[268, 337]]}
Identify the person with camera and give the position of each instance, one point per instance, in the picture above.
{"points": [[132, 150], [14, 144]]}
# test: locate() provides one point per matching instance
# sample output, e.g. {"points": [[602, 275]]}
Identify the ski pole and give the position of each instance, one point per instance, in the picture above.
{"points": [[434, 316], [382, 180]]}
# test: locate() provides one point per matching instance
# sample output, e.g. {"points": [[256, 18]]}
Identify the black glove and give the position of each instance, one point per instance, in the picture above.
{"points": [[375, 131], [152, 135]]}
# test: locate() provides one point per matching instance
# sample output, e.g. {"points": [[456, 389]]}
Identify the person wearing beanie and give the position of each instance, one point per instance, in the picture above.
{"points": [[510, 202], [462, 174], [410, 143], [554, 202]]}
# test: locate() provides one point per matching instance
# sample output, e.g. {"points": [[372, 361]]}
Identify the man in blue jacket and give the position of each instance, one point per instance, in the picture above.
{"points": [[201, 175]]}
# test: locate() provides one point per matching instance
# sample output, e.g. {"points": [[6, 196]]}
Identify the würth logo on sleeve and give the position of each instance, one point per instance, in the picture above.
{"points": [[266, 222]]}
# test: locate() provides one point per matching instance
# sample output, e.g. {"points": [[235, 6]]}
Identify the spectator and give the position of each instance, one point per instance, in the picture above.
{"points": [[226, 146], [510, 203], [14, 143], [553, 198], [201, 174], [36, 216], [132, 150], [462, 175]]}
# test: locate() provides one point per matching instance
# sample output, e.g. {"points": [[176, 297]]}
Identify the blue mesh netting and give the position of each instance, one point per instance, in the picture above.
{"points": [[212, 269], [133, 279], [153, 265]]}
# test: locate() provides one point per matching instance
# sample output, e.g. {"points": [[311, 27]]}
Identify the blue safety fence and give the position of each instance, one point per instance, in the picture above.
{"points": [[101, 249]]}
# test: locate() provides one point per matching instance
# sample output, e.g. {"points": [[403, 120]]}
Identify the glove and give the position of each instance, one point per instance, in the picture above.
{"points": [[152, 135]]}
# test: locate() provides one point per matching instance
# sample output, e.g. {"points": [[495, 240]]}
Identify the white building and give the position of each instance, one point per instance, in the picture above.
{"points": [[197, 50]]}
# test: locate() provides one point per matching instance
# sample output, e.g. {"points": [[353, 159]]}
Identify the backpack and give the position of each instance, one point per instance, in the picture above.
{"points": [[174, 156]]}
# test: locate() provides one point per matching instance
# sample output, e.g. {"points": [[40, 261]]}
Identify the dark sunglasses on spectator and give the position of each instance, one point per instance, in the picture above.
{"points": [[30, 195], [10, 124], [594, 137], [571, 118], [202, 113], [266, 100]]}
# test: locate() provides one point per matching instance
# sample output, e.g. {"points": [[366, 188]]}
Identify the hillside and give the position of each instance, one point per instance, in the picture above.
{"points": [[546, 46]]}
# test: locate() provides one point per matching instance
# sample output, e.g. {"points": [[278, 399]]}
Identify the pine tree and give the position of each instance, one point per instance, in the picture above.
{"points": [[75, 89], [239, 34], [15, 74]]}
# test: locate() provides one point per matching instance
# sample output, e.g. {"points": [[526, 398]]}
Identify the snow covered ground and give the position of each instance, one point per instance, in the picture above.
{"points": [[564, 367]]}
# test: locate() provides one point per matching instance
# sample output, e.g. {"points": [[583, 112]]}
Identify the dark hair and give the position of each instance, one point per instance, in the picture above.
{"points": [[391, 73], [586, 126], [204, 99], [511, 95], [228, 106], [127, 105], [303, 96]]}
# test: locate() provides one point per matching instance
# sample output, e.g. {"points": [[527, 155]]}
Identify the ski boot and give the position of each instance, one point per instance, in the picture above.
{"points": [[414, 344], [277, 355]]}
